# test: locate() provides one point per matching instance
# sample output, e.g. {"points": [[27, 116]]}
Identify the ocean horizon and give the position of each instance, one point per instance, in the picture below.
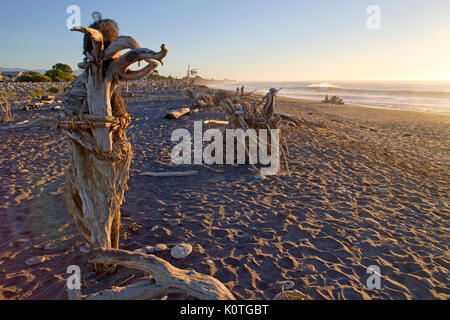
{"points": [[423, 96]]}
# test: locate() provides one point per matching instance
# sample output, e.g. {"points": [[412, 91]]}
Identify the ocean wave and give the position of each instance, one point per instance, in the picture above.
{"points": [[323, 85], [336, 90]]}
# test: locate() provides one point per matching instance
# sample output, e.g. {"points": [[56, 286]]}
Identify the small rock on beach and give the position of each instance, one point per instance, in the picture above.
{"points": [[181, 251], [35, 261]]}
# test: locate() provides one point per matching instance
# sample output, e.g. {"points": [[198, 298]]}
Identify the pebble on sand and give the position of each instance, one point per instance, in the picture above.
{"points": [[161, 247], [50, 246], [174, 222], [85, 249], [287, 285], [35, 260], [181, 251], [383, 191]]}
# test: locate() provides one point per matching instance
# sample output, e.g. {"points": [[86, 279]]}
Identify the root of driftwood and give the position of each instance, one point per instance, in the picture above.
{"points": [[167, 279], [170, 174], [176, 114]]}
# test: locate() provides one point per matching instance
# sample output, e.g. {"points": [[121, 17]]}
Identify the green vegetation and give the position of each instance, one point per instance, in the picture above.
{"points": [[32, 76], [36, 93], [157, 77], [60, 73], [54, 90], [4, 94]]}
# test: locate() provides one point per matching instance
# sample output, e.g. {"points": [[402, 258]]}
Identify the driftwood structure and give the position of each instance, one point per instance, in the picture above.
{"points": [[200, 99], [333, 100], [100, 153], [95, 120], [244, 114]]}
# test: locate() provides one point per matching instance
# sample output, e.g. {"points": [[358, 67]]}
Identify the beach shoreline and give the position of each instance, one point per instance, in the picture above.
{"points": [[369, 188]]}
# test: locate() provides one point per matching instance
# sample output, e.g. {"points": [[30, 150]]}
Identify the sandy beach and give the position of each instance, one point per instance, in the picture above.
{"points": [[370, 187]]}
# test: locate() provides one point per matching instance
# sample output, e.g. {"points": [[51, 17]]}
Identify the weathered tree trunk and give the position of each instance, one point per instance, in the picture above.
{"points": [[100, 154]]}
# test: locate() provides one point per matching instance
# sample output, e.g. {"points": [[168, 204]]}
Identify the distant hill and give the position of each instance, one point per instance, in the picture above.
{"points": [[41, 71]]}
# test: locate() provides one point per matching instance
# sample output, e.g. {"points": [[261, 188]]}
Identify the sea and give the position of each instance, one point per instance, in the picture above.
{"points": [[430, 96]]}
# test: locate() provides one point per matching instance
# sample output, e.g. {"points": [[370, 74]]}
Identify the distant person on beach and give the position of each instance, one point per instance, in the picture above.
{"points": [[242, 90]]}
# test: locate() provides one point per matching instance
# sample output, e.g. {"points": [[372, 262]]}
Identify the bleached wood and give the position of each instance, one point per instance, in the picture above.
{"points": [[139, 74], [170, 174], [168, 279], [178, 113], [215, 122], [123, 62], [121, 43]]}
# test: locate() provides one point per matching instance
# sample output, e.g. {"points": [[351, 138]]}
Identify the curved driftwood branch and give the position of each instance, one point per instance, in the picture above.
{"points": [[144, 290], [139, 74], [121, 43], [123, 62], [168, 278], [42, 123], [97, 41]]}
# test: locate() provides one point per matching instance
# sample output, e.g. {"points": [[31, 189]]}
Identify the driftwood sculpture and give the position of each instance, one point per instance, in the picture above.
{"points": [[100, 151], [94, 119], [242, 114], [333, 100]]}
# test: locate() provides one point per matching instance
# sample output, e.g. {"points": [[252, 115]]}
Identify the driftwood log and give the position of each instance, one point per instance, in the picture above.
{"points": [[170, 174], [166, 279], [178, 113]]}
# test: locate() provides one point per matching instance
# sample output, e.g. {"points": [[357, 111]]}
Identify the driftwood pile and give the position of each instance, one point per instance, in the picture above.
{"points": [[201, 99], [43, 102], [333, 100]]}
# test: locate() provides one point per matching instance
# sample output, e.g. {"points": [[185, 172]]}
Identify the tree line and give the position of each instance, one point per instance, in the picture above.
{"points": [[58, 73]]}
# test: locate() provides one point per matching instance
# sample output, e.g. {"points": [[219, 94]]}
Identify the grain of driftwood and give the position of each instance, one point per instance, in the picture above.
{"points": [[170, 174], [167, 278]]}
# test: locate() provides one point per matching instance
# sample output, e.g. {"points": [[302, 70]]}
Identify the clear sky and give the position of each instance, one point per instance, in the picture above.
{"points": [[267, 40]]}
